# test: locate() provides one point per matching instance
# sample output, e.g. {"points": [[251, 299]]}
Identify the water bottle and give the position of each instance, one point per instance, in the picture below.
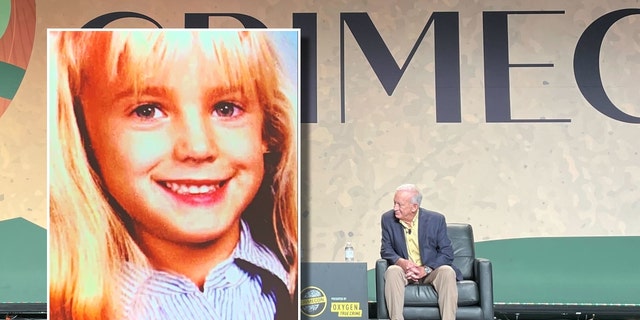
{"points": [[349, 255]]}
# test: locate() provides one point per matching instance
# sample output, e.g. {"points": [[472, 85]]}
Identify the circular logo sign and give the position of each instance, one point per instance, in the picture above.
{"points": [[313, 301], [17, 31]]}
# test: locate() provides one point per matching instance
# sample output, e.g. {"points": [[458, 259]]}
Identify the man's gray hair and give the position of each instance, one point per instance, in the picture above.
{"points": [[417, 196]]}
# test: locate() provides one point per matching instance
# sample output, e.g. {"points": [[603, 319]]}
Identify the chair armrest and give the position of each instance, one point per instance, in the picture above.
{"points": [[484, 276], [381, 304]]}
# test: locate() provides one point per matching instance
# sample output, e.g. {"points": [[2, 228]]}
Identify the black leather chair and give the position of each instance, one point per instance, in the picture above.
{"points": [[475, 291]]}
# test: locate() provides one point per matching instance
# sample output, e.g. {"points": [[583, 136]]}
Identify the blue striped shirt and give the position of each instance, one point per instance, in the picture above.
{"points": [[237, 288]]}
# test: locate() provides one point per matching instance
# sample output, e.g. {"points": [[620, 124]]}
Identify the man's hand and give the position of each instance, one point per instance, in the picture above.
{"points": [[412, 271], [415, 273], [405, 264]]}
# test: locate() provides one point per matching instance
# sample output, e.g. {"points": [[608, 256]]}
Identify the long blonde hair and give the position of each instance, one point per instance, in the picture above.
{"points": [[89, 240]]}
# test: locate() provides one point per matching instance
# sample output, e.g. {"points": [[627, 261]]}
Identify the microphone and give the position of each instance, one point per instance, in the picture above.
{"points": [[408, 231]]}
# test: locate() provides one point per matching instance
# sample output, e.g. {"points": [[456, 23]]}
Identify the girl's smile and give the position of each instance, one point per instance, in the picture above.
{"points": [[195, 192]]}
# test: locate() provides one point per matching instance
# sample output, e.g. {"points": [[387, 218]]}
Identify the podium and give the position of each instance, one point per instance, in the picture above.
{"points": [[333, 290]]}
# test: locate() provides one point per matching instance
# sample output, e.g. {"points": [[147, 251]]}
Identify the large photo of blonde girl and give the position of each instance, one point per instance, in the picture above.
{"points": [[173, 174]]}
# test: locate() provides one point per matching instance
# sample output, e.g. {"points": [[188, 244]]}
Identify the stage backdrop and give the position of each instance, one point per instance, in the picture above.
{"points": [[521, 118]]}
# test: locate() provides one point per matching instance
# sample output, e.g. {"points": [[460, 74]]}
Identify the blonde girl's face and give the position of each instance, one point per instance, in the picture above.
{"points": [[178, 145]]}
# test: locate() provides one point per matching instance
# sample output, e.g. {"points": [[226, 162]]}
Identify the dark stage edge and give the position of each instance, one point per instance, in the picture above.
{"points": [[569, 312], [554, 312], [23, 311]]}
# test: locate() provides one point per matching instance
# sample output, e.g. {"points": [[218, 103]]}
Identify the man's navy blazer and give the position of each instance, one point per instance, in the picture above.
{"points": [[435, 245]]}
